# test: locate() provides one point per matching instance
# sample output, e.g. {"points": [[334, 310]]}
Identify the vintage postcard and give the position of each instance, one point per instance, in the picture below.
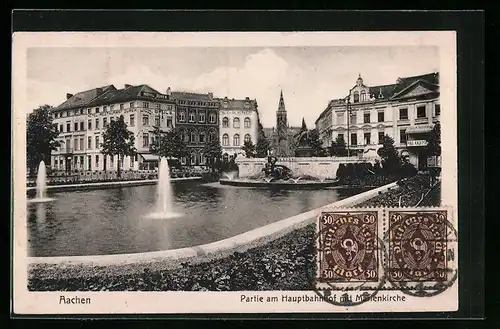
{"points": [[181, 173]]}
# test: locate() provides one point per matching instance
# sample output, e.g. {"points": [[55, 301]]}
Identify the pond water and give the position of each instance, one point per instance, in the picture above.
{"points": [[114, 221]]}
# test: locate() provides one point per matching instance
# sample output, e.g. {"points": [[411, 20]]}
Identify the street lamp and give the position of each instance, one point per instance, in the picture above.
{"points": [[348, 110]]}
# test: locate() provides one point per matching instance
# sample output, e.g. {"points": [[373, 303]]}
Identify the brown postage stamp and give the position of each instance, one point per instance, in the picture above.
{"points": [[365, 252]]}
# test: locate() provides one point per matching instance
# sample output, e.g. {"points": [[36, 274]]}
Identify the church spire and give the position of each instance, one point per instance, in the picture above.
{"points": [[281, 106]]}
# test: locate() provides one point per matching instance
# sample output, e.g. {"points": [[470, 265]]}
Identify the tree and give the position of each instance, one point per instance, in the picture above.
{"points": [[40, 137], [304, 127], [263, 145], [338, 147], [249, 149], [315, 143], [389, 155], [212, 152], [168, 144], [118, 140], [434, 141], [434, 148]]}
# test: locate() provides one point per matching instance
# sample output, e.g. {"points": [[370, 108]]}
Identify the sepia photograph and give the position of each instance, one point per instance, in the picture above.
{"points": [[294, 172]]}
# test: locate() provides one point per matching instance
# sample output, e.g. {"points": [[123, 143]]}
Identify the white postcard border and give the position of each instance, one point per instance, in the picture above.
{"points": [[25, 302]]}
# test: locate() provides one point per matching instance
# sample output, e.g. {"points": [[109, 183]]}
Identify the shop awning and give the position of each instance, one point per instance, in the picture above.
{"points": [[419, 129], [149, 157]]}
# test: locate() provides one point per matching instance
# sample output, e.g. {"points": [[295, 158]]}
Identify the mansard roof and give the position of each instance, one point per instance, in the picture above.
{"points": [[238, 104], [129, 93], [83, 98], [185, 95], [431, 80], [403, 83]]}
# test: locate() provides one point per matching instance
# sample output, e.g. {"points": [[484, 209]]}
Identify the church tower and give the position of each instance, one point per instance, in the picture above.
{"points": [[281, 120], [281, 139]]}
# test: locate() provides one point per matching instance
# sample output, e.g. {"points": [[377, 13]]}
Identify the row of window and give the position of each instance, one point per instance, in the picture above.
{"points": [[236, 139], [191, 137], [78, 162], [367, 138], [78, 144], [145, 122], [145, 105], [236, 123], [194, 159], [192, 117], [364, 96], [403, 115], [211, 104]]}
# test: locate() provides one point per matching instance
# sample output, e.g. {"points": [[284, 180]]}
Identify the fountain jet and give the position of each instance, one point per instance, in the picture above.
{"points": [[230, 175], [164, 193], [41, 184]]}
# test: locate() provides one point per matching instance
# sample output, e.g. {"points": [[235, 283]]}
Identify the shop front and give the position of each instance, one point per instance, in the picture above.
{"points": [[149, 162], [416, 145]]}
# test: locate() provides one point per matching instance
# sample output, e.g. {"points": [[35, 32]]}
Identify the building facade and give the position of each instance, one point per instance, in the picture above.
{"points": [[406, 111], [197, 120], [83, 117], [282, 138], [239, 122]]}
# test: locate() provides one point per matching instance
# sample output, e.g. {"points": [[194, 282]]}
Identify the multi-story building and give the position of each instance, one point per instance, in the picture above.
{"points": [[405, 111], [197, 120], [83, 117], [239, 121]]}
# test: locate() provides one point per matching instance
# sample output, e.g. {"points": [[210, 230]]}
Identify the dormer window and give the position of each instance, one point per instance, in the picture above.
{"points": [[356, 97]]}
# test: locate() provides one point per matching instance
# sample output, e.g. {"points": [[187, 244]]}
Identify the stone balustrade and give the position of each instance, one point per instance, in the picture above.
{"points": [[320, 167]]}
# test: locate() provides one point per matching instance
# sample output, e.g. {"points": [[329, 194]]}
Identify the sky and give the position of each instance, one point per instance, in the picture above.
{"points": [[308, 76]]}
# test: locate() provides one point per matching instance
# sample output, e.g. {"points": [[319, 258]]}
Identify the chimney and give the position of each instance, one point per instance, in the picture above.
{"points": [[68, 96], [127, 86], [247, 99], [225, 99], [169, 92], [211, 95]]}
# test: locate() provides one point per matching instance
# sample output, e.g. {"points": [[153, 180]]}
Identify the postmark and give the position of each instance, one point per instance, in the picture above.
{"points": [[417, 245], [347, 249], [423, 250], [414, 253]]}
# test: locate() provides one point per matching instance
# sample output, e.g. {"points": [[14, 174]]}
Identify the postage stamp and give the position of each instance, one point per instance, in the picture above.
{"points": [[417, 245], [347, 248], [413, 252], [152, 170]]}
